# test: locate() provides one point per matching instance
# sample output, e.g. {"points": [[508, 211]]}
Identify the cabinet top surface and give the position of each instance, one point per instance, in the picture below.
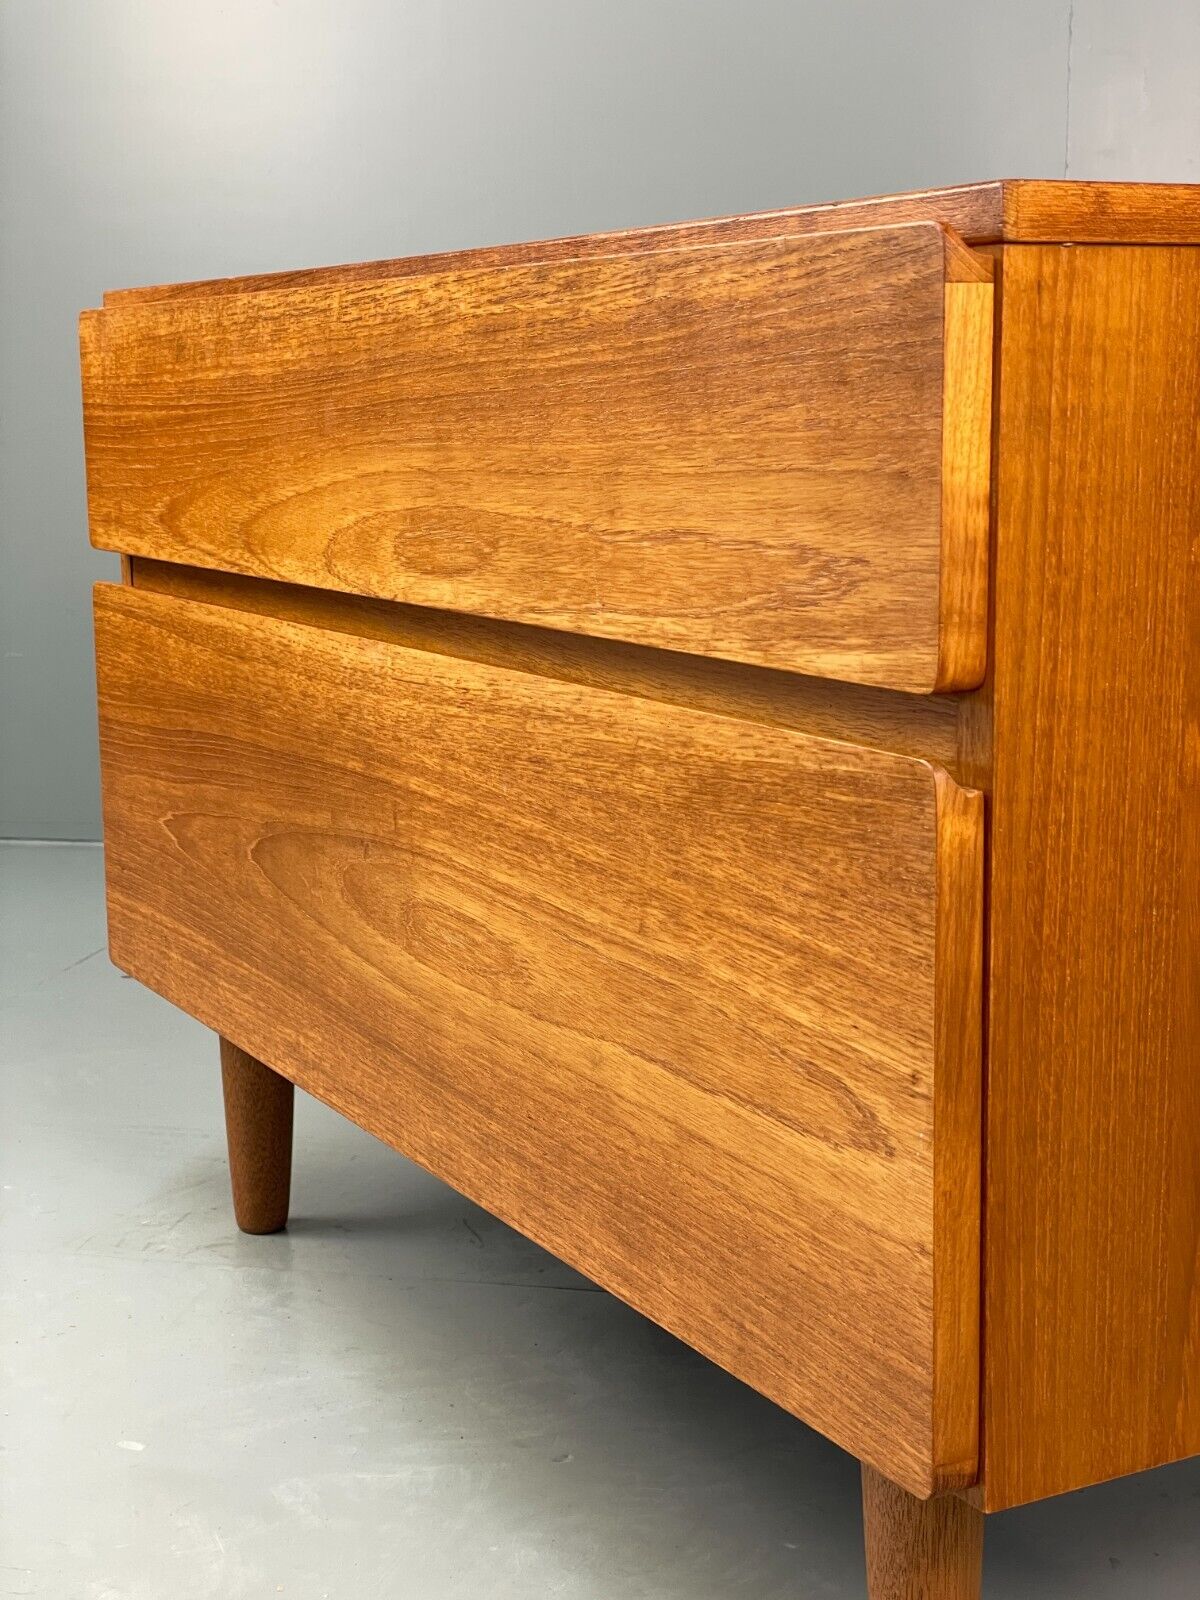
{"points": [[1002, 211]]}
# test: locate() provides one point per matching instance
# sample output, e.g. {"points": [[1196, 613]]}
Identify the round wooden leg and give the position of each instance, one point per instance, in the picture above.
{"points": [[920, 1549], [258, 1127]]}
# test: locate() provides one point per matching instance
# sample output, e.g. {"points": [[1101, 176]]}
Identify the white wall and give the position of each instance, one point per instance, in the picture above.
{"points": [[147, 140], [1133, 90]]}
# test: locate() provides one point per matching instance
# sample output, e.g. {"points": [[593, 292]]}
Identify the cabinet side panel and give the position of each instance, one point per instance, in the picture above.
{"points": [[1092, 1296]]}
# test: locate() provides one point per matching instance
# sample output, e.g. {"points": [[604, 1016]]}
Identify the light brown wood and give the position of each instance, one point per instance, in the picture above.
{"points": [[687, 999], [920, 1549], [966, 482], [258, 1127], [742, 451], [981, 213], [1093, 1144], [1101, 213], [944, 729], [671, 960], [974, 214], [957, 1124]]}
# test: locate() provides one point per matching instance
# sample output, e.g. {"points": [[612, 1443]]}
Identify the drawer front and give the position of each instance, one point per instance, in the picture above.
{"points": [[773, 451], [691, 1001]]}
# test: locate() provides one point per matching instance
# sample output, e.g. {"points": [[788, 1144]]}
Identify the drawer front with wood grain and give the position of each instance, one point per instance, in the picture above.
{"points": [[773, 451], [692, 1001]]}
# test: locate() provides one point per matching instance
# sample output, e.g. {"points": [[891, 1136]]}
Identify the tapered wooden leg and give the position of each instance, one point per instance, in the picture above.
{"points": [[258, 1127], [920, 1549]]}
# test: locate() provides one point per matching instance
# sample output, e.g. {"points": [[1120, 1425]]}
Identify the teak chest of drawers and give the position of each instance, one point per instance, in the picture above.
{"points": [[694, 736]]}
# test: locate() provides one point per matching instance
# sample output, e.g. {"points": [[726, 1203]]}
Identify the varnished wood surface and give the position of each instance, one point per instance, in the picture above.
{"points": [[1101, 213], [920, 1549], [1093, 1139], [258, 1128], [982, 213], [668, 991], [966, 483], [736, 451], [949, 730], [975, 213]]}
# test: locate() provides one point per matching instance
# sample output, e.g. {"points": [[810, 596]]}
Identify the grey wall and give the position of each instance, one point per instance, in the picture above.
{"points": [[147, 140]]}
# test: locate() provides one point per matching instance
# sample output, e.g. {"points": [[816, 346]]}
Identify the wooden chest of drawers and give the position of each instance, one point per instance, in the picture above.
{"points": [[694, 736]]}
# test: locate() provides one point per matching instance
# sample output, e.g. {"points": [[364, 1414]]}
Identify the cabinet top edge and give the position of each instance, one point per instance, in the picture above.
{"points": [[1003, 211]]}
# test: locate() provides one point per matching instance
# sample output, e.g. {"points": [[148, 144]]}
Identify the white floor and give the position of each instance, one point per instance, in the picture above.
{"points": [[398, 1397]]}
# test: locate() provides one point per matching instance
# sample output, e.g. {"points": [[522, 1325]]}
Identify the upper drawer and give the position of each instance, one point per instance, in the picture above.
{"points": [[774, 451]]}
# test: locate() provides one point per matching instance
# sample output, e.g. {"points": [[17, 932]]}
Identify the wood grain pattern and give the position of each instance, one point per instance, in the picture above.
{"points": [[258, 1126], [981, 213], [920, 1549], [734, 451], [958, 1119], [1093, 1146], [663, 989], [974, 213], [943, 729], [1101, 213], [966, 482]]}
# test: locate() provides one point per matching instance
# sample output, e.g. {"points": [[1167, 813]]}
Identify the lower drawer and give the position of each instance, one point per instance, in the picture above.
{"points": [[693, 1002]]}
